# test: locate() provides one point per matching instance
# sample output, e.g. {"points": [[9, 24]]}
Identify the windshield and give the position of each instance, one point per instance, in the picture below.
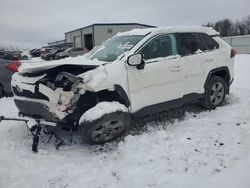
{"points": [[114, 47]]}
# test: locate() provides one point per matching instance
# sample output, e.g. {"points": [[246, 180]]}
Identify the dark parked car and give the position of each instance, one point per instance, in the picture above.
{"points": [[17, 54], [52, 54], [35, 52], [9, 56], [44, 51], [7, 68], [2, 53]]}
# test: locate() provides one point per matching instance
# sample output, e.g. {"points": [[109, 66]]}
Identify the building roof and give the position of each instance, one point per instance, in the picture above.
{"points": [[111, 24], [57, 42]]}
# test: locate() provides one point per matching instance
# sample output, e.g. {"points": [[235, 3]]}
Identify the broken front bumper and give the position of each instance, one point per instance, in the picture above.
{"points": [[34, 99], [36, 109]]}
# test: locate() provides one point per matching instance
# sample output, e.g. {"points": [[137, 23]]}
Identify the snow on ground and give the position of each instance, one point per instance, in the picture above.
{"points": [[205, 149]]}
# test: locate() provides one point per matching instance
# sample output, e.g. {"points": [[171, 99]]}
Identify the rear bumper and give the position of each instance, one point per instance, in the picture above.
{"points": [[36, 110]]}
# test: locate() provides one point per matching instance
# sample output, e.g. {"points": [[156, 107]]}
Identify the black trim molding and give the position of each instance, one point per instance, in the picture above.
{"points": [[186, 99], [123, 95]]}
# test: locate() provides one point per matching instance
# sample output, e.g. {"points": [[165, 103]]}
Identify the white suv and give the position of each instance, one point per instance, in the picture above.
{"points": [[133, 74]]}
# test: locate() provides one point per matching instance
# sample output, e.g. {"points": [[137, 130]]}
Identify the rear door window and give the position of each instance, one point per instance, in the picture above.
{"points": [[189, 43]]}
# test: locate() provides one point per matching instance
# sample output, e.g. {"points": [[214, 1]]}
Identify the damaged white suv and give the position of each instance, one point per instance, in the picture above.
{"points": [[133, 74]]}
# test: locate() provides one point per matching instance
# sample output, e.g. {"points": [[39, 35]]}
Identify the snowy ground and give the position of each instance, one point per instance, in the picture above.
{"points": [[205, 149]]}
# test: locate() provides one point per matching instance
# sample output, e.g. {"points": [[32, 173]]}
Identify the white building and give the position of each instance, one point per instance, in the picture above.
{"points": [[95, 34]]}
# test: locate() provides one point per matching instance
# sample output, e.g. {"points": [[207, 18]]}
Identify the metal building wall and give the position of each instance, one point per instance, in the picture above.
{"points": [[100, 33], [240, 43], [74, 37]]}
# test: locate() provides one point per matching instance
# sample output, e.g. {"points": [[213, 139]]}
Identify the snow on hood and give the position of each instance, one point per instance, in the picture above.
{"points": [[41, 65]]}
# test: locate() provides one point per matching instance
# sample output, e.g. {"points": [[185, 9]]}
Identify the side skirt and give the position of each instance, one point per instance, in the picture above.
{"points": [[160, 107]]}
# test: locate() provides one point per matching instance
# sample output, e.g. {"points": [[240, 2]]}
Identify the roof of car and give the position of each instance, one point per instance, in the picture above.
{"points": [[175, 29]]}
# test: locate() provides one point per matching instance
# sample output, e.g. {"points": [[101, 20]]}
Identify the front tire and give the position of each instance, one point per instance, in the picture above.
{"points": [[106, 128], [215, 93]]}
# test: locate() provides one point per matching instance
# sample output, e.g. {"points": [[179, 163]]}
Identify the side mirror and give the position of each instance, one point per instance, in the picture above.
{"points": [[136, 60]]}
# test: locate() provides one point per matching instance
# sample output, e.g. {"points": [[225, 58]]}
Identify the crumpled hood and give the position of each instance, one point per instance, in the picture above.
{"points": [[41, 65]]}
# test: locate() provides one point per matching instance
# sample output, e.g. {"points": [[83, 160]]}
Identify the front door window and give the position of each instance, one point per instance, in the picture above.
{"points": [[158, 47]]}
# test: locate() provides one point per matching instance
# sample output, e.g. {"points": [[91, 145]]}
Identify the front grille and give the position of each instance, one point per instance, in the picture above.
{"points": [[29, 94]]}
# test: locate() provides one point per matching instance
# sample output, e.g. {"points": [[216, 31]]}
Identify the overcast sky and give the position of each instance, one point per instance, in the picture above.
{"points": [[33, 23]]}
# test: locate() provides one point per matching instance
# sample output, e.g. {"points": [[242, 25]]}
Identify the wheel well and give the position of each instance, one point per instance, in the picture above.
{"points": [[223, 73], [106, 95], [89, 99]]}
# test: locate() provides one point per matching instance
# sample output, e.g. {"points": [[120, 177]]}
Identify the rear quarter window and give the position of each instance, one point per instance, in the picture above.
{"points": [[211, 43]]}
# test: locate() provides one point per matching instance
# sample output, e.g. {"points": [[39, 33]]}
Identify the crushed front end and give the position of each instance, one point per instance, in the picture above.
{"points": [[51, 95]]}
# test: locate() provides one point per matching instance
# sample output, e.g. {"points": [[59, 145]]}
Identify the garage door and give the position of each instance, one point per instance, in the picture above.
{"points": [[77, 41]]}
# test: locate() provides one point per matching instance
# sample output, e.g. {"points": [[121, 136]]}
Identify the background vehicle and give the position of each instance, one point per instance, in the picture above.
{"points": [[2, 53], [10, 56], [26, 55], [35, 52], [52, 54], [133, 74], [44, 51], [7, 68], [72, 52], [15, 55]]}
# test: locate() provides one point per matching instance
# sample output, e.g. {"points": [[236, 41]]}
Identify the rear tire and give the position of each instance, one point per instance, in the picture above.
{"points": [[25, 57], [106, 128], [215, 93]]}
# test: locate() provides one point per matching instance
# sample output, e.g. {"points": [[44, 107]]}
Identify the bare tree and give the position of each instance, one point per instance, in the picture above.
{"points": [[240, 27], [228, 28], [247, 24], [218, 26], [209, 24]]}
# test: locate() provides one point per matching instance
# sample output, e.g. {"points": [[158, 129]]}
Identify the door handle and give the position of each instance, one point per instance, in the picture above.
{"points": [[209, 60], [176, 69]]}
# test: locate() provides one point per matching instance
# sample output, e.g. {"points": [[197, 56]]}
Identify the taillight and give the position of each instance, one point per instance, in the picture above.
{"points": [[233, 52], [13, 67]]}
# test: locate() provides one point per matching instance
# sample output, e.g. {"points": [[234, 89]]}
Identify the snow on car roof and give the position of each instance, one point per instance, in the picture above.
{"points": [[175, 29]]}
